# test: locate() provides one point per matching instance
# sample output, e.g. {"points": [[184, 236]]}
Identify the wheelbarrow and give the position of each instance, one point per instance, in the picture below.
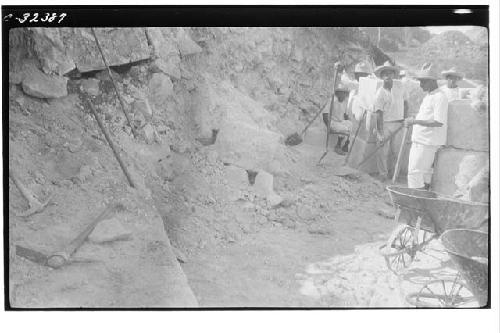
{"points": [[421, 217], [468, 250]]}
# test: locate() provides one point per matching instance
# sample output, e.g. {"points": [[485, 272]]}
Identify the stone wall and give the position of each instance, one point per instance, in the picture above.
{"points": [[462, 167]]}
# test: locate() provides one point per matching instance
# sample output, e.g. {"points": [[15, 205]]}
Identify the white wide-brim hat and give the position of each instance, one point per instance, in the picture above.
{"points": [[386, 66], [453, 71]]}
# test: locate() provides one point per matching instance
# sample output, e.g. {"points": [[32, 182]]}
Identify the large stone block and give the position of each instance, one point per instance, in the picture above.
{"points": [[120, 46], [454, 168], [467, 126], [38, 84], [51, 51], [247, 145], [186, 45]]}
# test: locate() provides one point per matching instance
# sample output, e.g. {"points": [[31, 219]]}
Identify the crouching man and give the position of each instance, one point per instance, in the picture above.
{"points": [[340, 123], [429, 130]]}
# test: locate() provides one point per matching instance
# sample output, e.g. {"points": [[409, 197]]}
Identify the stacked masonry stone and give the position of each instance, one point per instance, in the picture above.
{"points": [[462, 167]]}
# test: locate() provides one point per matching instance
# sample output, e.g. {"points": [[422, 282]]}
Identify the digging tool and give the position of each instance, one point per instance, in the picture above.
{"points": [[63, 257], [111, 144], [35, 205], [400, 155], [380, 146], [338, 68], [114, 84], [296, 138], [355, 136]]}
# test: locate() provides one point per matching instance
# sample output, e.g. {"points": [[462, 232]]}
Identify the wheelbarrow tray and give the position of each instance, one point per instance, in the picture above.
{"points": [[438, 213], [468, 249]]}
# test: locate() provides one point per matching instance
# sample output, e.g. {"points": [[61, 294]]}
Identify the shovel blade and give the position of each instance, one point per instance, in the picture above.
{"points": [[31, 255]]}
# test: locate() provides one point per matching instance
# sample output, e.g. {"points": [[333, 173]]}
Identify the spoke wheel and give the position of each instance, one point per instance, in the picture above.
{"points": [[450, 293], [400, 252]]}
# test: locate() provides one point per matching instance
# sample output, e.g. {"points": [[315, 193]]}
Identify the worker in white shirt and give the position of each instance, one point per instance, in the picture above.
{"points": [[451, 89], [429, 130], [340, 123], [387, 119]]}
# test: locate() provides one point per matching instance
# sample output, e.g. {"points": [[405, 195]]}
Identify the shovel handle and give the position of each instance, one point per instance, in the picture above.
{"points": [[400, 155]]}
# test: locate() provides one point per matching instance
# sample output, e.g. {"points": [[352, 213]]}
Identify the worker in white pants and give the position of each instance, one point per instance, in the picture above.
{"points": [[420, 165], [429, 130]]}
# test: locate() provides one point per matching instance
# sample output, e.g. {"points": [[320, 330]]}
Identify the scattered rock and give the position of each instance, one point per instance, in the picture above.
{"points": [[160, 88], [149, 133], [90, 86], [387, 213], [236, 177], [110, 230], [41, 85], [84, 174], [186, 45], [274, 200]]}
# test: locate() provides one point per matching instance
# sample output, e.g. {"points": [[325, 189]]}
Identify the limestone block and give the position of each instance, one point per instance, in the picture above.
{"points": [[51, 51], [453, 168], [120, 46], [38, 84], [264, 183], [248, 145], [160, 88], [467, 126]]}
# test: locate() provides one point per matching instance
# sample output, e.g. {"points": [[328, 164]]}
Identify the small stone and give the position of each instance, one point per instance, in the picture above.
{"points": [[84, 173], [387, 213], [141, 106], [274, 199], [179, 255], [149, 133], [110, 230], [263, 185], [90, 86]]}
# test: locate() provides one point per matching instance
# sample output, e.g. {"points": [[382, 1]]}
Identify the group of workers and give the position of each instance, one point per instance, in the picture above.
{"points": [[389, 111]]}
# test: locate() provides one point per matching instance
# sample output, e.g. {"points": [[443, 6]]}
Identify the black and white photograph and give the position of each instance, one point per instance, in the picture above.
{"points": [[287, 165]]}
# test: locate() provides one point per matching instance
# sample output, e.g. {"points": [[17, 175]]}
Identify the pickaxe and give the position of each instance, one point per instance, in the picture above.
{"points": [[63, 257], [35, 205]]}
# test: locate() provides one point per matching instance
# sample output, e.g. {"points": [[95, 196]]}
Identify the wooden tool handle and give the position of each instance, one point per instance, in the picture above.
{"points": [[400, 155], [59, 258]]}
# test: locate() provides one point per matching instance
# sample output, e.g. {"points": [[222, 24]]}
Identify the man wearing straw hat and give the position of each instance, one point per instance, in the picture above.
{"points": [[451, 90], [340, 123], [387, 118], [429, 129]]}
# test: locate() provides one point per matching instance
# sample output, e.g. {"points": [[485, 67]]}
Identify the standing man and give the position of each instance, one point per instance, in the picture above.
{"points": [[388, 118], [429, 130], [340, 123], [451, 89]]}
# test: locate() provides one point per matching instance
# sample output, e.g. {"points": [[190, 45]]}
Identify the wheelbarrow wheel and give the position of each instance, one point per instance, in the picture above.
{"points": [[449, 293], [402, 247], [399, 251]]}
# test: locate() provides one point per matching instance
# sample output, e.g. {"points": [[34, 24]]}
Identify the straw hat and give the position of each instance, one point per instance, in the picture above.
{"points": [[386, 66], [342, 87], [427, 72], [453, 71], [362, 67]]}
